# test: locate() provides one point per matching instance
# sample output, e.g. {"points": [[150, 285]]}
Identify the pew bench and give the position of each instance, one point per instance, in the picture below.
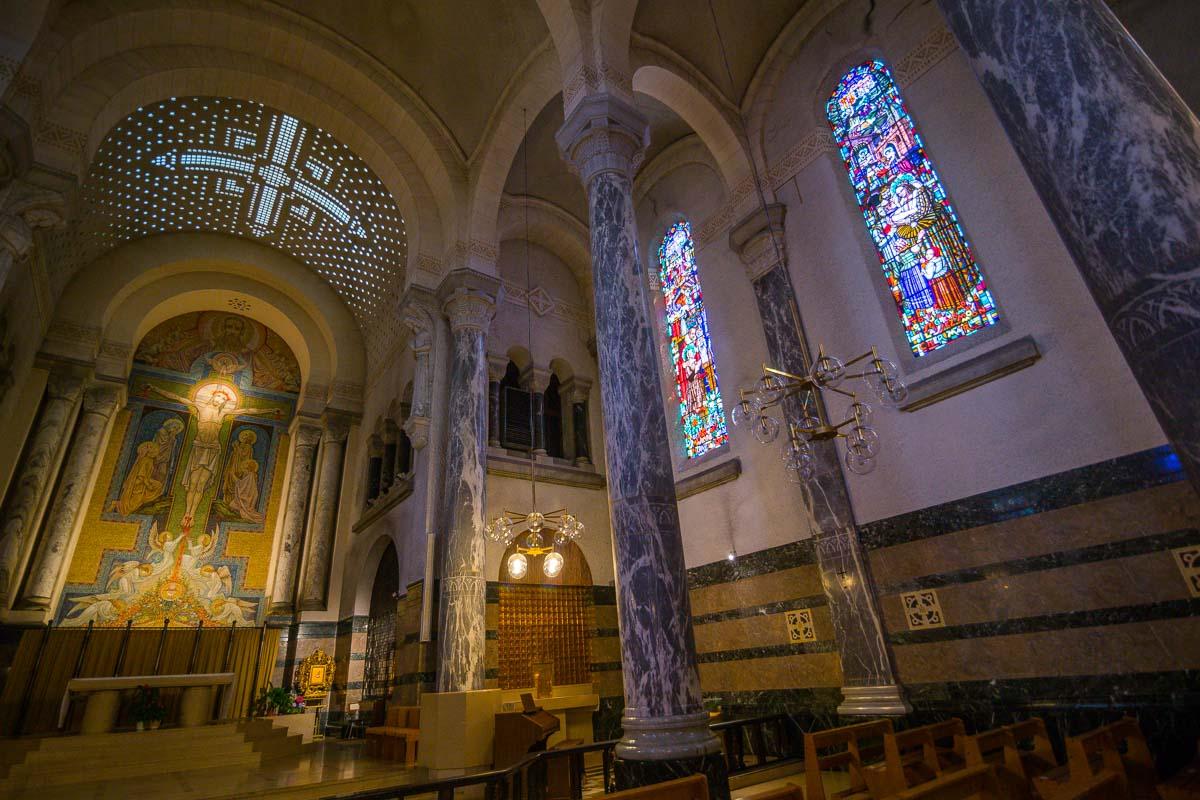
{"points": [[398, 737], [693, 787], [1118, 749], [855, 748], [918, 755]]}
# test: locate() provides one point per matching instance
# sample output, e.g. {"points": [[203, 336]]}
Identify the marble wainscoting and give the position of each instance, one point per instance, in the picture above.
{"points": [[1069, 597], [765, 636]]}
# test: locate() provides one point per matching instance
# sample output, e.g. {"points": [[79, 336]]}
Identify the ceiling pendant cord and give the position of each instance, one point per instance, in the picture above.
{"points": [[528, 308]]}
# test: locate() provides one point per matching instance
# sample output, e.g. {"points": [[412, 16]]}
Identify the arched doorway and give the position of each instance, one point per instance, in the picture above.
{"points": [[379, 668]]}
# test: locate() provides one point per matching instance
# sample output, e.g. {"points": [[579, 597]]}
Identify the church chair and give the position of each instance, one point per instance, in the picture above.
{"points": [[998, 749], [1033, 746], [857, 749], [971, 783], [693, 787], [1118, 748]]}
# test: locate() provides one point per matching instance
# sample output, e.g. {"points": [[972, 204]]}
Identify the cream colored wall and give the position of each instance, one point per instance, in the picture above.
{"points": [[1076, 406]]}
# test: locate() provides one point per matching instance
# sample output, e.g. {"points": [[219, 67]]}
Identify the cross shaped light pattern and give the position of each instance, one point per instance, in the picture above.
{"points": [[207, 163]]}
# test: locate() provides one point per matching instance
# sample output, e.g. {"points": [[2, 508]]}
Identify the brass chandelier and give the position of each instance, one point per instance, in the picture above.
{"points": [[807, 418], [536, 533]]}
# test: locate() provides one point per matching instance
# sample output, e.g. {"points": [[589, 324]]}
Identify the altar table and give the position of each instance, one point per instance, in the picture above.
{"points": [[104, 697]]}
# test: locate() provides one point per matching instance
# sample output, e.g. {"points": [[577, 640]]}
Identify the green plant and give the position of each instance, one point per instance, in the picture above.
{"points": [[279, 700], [147, 704]]}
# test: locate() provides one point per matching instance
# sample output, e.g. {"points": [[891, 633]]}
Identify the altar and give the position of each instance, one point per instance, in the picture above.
{"points": [[104, 697]]}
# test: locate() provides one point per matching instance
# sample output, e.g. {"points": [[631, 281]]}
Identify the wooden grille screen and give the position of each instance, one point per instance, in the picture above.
{"points": [[545, 623]]}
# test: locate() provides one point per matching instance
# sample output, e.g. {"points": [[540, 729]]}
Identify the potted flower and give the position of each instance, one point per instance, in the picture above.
{"points": [[275, 700], [148, 708]]}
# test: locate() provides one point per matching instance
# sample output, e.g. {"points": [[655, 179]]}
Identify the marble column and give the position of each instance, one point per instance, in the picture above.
{"points": [[305, 438], [1114, 154], [99, 403], [469, 302], [33, 473], [314, 588], [390, 456], [869, 685], [539, 381], [579, 421], [665, 724]]}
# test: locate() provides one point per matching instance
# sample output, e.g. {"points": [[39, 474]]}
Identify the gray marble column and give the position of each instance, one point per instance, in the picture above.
{"points": [[869, 685], [539, 381], [314, 588], [374, 468], [496, 366], [33, 474], [665, 724], [99, 403], [390, 457], [305, 438], [1114, 154], [469, 302]]}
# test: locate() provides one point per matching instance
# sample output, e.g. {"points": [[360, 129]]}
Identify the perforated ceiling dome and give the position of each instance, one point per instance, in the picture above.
{"points": [[217, 164]]}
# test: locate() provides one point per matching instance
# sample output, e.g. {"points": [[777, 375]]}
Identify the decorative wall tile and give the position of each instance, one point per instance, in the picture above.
{"points": [[922, 610], [1188, 561], [800, 626]]}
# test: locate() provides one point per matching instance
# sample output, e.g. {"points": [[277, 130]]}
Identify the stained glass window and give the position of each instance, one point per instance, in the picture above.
{"points": [[930, 269], [700, 407]]}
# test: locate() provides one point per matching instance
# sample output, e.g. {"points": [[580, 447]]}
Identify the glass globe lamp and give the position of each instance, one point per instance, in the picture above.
{"points": [[552, 564]]}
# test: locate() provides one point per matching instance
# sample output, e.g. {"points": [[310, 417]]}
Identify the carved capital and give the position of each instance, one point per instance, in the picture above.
{"points": [[604, 133], [538, 380], [306, 435], [417, 315], [102, 400], [417, 429], [469, 310], [579, 389], [24, 207], [497, 365], [336, 428], [63, 386], [759, 241]]}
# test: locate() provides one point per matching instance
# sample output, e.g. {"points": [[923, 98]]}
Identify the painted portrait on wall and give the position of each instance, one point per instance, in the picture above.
{"points": [[181, 523]]}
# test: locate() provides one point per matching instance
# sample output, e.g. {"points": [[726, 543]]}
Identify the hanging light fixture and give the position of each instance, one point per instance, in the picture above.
{"points": [[807, 418], [536, 533]]}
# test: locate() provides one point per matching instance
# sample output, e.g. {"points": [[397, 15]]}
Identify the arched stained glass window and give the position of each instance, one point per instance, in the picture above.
{"points": [[700, 407], [930, 269]]}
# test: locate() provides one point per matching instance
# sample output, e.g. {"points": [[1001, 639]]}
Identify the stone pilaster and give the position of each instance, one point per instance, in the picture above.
{"points": [[99, 403], [33, 474], [869, 684], [314, 588], [305, 438], [665, 724], [1114, 154], [469, 303]]}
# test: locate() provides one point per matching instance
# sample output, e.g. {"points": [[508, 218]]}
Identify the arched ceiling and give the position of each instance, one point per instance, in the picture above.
{"points": [[234, 166]]}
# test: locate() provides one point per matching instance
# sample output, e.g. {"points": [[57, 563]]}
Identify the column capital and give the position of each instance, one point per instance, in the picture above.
{"points": [[103, 399], [417, 310], [538, 380], [469, 300], [497, 365], [336, 427], [604, 133], [417, 430], [63, 385], [758, 239], [579, 389]]}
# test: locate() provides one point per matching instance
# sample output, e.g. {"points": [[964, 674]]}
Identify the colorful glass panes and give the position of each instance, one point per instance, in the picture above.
{"points": [[938, 287], [700, 407]]}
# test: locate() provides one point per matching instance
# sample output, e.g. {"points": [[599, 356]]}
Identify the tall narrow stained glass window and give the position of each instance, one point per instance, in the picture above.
{"points": [[700, 407], [930, 269]]}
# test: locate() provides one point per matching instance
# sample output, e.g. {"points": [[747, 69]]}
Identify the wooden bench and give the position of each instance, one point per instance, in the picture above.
{"points": [[918, 755], [787, 792], [398, 737], [998, 749], [971, 783], [864, 763], [1033, 746], [1118, 749], [693, 787]]}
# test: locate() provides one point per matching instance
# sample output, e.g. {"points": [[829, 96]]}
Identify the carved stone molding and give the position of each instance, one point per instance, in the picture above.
{"points": [[469, 310], [604, 133], [759, 241], [417, 429]]}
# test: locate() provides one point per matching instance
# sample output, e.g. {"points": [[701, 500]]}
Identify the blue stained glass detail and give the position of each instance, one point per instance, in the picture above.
{"points": [[700, 408], [929, 267]]}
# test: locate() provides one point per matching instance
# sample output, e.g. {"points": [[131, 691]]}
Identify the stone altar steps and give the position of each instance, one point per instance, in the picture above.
{"points": [[52, 766]]}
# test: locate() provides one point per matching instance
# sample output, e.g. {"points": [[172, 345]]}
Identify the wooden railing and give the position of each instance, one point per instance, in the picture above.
{"points": [[749, 744]]}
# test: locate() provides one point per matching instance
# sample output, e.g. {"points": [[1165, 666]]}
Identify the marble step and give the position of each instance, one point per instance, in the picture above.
{"points": [[145, 767]]}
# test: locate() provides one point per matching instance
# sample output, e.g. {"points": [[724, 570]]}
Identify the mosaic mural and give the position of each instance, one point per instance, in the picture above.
{"points": [[182, 519]]}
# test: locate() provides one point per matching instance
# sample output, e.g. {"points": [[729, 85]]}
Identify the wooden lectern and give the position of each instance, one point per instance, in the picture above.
{"points": [[519, 733]]}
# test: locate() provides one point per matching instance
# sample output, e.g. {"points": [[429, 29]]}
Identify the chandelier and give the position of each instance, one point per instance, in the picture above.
{"points": [[536, 533], [807, 418]]}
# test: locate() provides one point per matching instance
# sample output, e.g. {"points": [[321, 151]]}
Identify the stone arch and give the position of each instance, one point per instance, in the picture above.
{"points": [[150, 280], [552, 228], [360, 572]]}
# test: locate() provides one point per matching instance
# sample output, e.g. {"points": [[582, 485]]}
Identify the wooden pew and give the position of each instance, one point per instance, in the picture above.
{"points": [[971, 783], [789, 792], [998, 749], [398, 737], [693, 787], [918, 755], [1118, 749], [862, 763], [1033, 745]]}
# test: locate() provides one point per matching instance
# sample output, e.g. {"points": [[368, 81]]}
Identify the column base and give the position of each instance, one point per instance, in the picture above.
{"points": [[630, 773], [873, 701]]}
